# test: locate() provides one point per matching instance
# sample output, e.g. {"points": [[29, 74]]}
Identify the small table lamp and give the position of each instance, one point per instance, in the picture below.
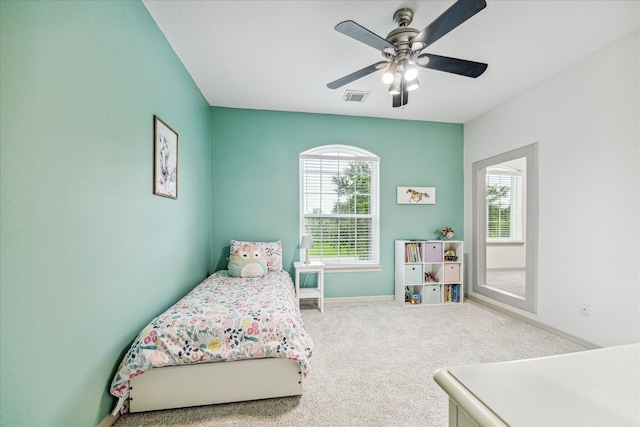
{"points": [[306, 243]]}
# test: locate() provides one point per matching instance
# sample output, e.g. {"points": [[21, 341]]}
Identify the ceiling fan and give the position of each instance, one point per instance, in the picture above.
{"points": [[402, 49]]}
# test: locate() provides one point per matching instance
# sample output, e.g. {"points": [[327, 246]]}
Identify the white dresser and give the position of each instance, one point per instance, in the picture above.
{"points": [[589, 388]]}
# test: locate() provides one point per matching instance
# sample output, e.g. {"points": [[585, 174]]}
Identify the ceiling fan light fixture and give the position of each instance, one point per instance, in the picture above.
{"points": [[417, 46], [389, 76], [422, 60], [395, 87], [413, 85], [410, 72], [389, 50]]}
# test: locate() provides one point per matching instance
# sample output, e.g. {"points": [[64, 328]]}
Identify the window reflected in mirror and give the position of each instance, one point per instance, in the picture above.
{"points": [[505, 228]]}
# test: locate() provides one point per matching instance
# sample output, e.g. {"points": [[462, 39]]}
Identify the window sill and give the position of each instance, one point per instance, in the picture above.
{"points": [[350, 268], [505, 242]]}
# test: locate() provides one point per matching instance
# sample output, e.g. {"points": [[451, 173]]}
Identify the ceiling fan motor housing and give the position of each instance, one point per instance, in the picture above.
{"points": [[401, 36], [403, 17]]}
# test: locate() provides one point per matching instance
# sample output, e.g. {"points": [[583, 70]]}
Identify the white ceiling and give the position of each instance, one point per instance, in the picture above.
{"points": [[279, 55]]}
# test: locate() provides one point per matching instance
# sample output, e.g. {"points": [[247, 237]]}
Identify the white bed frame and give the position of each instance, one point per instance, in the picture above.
{"points": [[214, 382]]}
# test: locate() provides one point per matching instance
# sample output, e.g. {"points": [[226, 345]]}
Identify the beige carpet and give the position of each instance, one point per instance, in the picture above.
{"points": [[373, 365], [511, 281]]}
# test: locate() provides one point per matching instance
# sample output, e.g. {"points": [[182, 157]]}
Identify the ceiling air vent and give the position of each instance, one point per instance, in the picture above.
{"points": [[355, 96]]}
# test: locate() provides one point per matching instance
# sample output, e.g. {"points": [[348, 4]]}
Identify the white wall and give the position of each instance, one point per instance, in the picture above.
{"points": [[507, 256], [586, 121]]}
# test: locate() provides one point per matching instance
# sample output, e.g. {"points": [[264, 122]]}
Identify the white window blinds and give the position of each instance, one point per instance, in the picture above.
{"points": [[504, 205], [339, 204]]}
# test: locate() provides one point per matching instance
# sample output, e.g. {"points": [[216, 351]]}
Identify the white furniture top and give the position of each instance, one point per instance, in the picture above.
{"points": [[590, 388], [313, 266]]}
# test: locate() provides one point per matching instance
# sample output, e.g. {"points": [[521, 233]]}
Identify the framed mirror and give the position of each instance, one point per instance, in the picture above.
{"points": [[505, 227]]}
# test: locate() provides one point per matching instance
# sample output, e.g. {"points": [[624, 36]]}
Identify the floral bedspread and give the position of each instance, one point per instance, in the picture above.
{"points": [[223, 318]]}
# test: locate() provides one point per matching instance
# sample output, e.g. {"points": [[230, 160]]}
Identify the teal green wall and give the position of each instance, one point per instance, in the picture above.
{"points": [[88, 253], [255, 181]]}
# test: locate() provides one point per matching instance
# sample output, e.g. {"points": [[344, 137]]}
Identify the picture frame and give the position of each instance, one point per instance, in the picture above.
{"points": [[165, 159], [416, 195]]}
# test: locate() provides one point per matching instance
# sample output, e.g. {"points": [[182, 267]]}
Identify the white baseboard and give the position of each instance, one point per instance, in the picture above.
{"points": [[312, 303], [530, 321], [360, 299]]}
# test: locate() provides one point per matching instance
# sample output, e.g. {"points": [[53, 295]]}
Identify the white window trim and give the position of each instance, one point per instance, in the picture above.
{"points": [[350, 268], [358, 154]]}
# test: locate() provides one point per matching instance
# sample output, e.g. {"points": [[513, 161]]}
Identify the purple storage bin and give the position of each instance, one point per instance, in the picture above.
{"points": [[433, 251]]}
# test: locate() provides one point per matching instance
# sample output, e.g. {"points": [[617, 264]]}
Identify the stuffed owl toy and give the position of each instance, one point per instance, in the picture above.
{"points": [[247, 261]]}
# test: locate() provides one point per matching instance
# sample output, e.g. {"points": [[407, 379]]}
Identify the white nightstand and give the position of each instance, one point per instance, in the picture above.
{"points": [[308, 293]]}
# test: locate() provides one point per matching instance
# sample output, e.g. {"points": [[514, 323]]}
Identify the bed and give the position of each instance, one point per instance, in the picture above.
{"points": [[229, 339]]}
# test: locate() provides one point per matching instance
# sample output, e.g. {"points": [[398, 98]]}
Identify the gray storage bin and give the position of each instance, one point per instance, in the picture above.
{"points": [[413, 274], [431, 295]]}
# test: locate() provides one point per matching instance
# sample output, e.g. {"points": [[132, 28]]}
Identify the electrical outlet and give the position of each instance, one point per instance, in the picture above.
{"points": [[585, 309]]}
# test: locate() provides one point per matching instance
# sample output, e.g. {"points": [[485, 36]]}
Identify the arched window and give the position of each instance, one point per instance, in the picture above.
{"points": [[339, 205]]}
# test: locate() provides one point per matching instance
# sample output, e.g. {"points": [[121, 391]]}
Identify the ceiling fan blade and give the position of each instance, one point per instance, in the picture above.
{"points": [[357, 75], [401, 98], [452, 65], [459, 12], [358, 32]]}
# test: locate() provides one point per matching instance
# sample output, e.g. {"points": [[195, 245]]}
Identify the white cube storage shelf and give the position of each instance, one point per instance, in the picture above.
{"points": [[426, 273]]}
